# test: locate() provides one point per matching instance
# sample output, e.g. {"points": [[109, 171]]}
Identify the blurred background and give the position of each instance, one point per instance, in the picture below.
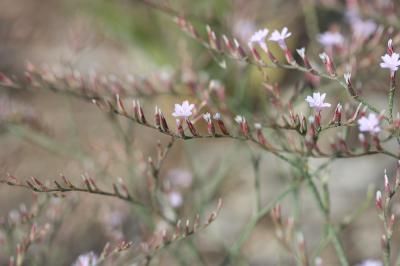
{"points": [[127, 40]]}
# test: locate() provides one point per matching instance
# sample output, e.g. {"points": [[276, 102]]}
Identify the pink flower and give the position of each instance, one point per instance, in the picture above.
{"points": [[184, 110], [363, 28], [87, 259], [391, 62], [280, 37], [369, 124], [259, 38], [330, 39], [175, 199], [317, 101], [370, 263]]}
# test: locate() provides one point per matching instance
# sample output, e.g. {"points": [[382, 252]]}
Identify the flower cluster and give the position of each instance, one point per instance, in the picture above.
{"points": [[276, 36]]}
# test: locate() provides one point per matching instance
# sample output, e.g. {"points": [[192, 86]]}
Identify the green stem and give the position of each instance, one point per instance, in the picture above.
{"points": [[331, 229], [235, 249]]}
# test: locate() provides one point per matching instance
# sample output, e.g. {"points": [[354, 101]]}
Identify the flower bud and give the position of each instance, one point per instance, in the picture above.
{"points": [[378, 200]]}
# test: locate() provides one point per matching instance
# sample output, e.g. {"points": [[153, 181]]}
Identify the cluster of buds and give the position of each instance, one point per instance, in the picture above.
{"points": [[22, 215], [120, 190], [160, 121], [383, 206], [109, 250], [35, 235], [181, 231], [296, 121], [94, 85], [288, 236], [339, 145], [212, 39], [234, 49]]}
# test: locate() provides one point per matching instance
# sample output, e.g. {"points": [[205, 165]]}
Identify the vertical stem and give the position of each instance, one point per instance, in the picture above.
{"points": [[257, 186], [391, 97], [236, 247], [311, 19], [386, 248], [325, 211]]}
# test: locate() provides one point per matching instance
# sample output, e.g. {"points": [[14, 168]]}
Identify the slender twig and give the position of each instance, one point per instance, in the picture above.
{"points": [[241, 240]]}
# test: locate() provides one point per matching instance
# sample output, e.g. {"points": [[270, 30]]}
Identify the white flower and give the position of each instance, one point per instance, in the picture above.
{"points": [[391, 61], [317, 101], [175, 199], [243, 29], [258, 125], [369, 124], [378, 196], [239, 119], [370, 263], [207, 117], [87, 259], [363, 28], [324, 57], [301, 52], [215, 84], [184, 110], [217, 116], [329, 39], [280, 37], [318, 261], [259, 38], [347, 77]]}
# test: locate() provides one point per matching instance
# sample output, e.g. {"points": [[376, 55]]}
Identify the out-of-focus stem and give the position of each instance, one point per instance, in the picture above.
{"points": [[310, 17], [256, 166], [391, 98], [235, 249], [325, 211]]}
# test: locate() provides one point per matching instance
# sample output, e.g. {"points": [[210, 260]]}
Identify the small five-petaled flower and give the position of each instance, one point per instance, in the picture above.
{"points": [[280, 37], [391, 62], [317, 101], [259, 38], [369, 124], [184, 110]]}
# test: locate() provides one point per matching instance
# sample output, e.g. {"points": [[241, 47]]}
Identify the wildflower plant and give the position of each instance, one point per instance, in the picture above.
{"points": [[173, 209]]}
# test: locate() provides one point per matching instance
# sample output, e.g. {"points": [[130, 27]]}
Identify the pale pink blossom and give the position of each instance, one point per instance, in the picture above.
{"points": [[330, 39], [317, 101], [391, 62], [243, 29], [87, 259], [259, 38], [369, 124], [363, 28], [280, 37], [370, 263], [184, 110], [175, 199], [180, 178]]}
